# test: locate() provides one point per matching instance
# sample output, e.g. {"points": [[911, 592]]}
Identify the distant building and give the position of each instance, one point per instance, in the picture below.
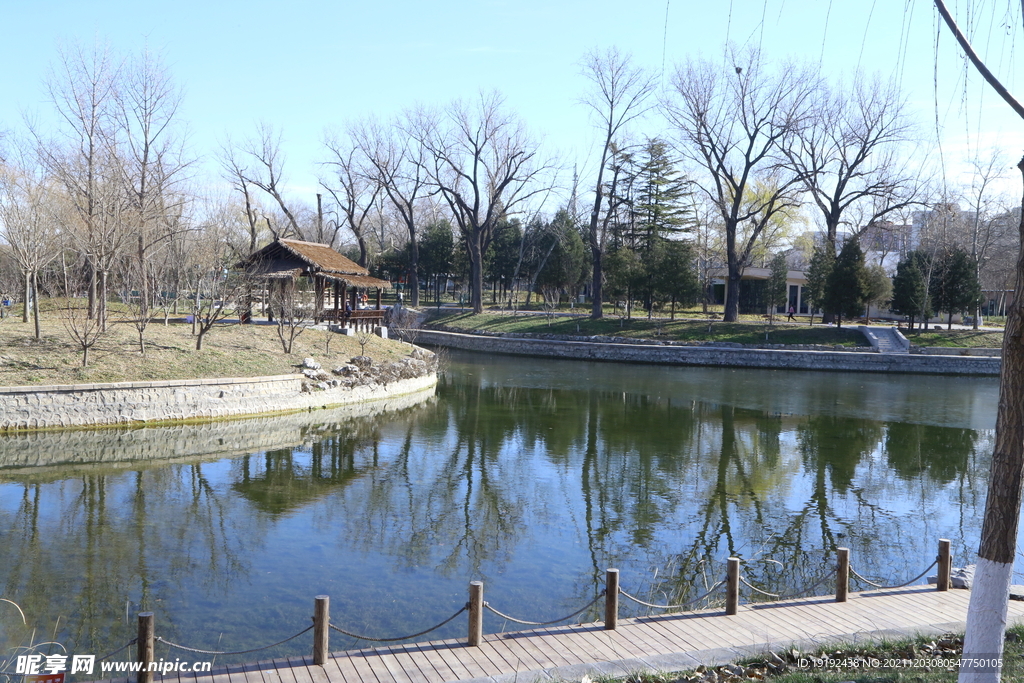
{"points": [[752, 283]]}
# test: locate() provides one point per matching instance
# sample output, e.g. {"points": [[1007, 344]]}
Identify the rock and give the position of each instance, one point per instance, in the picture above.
{"points": [[960, 577], [362, 362], [310, 364], [346, 371]]}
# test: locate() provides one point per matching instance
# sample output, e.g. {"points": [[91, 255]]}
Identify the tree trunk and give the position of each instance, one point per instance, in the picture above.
{"points": [[732, 297], [986, 616], [414, 273], [597, 303], [28, 297], [35, 303], [476, 273]]}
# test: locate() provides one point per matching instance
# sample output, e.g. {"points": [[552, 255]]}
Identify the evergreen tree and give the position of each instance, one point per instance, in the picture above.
{"points": [[662, 198], [954, 287], [909, 290], [775, 287], [846, 289], [437, 246], [818, 272], [674, 274]]}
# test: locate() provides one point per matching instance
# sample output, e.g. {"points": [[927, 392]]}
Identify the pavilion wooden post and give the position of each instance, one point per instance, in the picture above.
{"points": [[476, 613], [611, 599], [732, 587], [945, 565], [378, 298], [147, 647], [842, 574], [321, 629]]}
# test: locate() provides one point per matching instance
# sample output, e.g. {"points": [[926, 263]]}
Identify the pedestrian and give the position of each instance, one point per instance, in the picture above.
{"points": [[792, 310]]}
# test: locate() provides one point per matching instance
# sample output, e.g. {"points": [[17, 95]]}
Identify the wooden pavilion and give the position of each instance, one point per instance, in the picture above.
{"points": [[283, 264]]}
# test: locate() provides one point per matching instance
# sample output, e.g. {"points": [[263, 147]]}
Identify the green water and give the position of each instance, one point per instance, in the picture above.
{"points": [[531, 475]]}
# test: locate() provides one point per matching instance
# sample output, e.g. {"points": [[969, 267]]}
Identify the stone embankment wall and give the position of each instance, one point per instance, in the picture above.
{"points": [[42, 454], [710, 355], [137, 403]]}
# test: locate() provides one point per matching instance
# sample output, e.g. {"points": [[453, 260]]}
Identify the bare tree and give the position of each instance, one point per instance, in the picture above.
{"points": [[986, 616], [398, 165], [355, 192], [259, 162], [82, 89], [848, 155], [485, 167], [154, 164], [28, 226], [621, 92], [731, 120], [985, 231]]}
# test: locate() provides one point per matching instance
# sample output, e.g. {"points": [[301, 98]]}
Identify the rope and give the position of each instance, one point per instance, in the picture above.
{"points": [[546, 623], [906, 583], [684, 604], [236, 652], [870, 583], [758, 590], [807, 590], [391, 640], [125, 647]]}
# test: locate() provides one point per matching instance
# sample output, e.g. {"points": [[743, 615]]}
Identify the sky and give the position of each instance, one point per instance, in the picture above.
{"points": [[305, 66]]}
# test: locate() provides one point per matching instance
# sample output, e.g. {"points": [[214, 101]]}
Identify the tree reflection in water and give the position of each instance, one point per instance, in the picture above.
{"points": [[533, 477]]}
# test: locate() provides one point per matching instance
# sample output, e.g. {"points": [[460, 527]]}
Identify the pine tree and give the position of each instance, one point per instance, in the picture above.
{"points": [[822, 262], [909, 289], [846, 291], [954, 286]]}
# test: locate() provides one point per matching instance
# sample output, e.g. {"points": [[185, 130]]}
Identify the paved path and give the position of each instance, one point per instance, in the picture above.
{"points": [[672, 642]]}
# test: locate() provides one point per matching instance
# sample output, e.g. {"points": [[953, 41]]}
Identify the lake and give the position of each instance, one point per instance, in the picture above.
{"points": [[531, 475]]}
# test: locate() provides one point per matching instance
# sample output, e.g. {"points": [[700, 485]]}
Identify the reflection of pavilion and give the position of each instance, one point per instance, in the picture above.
{"points": [[277, 482], [283, 264]]}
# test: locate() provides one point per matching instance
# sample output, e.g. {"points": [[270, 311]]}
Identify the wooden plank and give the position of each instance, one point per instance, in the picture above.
{"points": [[386, 660], [417, 668], [435, 664], [340, 670], [446, 650], [367, 666]]}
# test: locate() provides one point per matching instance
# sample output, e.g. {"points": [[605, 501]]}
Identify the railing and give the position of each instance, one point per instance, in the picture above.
{"points": [[362, 319], [476, 606]]}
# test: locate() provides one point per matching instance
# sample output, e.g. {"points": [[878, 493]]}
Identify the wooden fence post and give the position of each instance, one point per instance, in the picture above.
{"points": [[147, 647], [732, 589], [842, 574], [321, 629], [476, 613], [611, 599], [945, 565]]}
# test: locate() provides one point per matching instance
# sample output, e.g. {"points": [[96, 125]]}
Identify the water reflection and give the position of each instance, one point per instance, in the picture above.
{"points": [[531, 475]]}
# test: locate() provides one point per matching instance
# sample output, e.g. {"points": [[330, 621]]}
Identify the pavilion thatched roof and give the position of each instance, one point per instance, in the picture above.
{"points": [[291, 259]]}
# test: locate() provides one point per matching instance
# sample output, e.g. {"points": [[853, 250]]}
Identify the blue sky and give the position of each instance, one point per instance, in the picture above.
{"points": [[305, 65]]}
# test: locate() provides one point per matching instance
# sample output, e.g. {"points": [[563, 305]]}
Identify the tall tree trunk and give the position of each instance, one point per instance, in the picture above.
{"points": [[35, 302], [476, 273], [28, 296], [986, 617]]}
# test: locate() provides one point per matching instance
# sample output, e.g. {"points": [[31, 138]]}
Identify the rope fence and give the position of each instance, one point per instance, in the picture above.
{"points": [[546, 623], [476, 606], [231, 652], [392, 640], [682, 605], [900, 585]]}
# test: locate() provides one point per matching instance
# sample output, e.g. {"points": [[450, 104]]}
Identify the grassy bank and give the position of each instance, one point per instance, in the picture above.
{"points": [[229, 350], [666, 330], [689, 330]]}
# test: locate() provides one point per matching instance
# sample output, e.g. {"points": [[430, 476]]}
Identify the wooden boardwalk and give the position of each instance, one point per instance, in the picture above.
{"points": [[665, 643]]}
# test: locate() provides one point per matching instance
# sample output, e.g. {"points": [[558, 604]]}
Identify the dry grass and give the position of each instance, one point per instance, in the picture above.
{"points": [[229, 350]]}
